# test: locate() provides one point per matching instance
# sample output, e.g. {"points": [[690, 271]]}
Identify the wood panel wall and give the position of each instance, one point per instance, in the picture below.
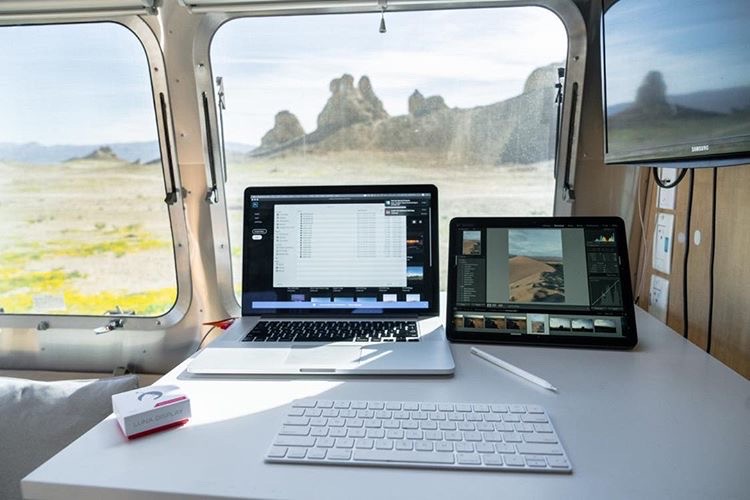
{"points": [[728, 337]]}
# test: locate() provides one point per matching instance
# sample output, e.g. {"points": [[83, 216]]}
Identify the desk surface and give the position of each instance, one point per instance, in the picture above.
{"points": [[663, 421]]}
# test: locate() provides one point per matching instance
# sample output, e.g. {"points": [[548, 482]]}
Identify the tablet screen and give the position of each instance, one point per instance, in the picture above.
{"points": [[561, 281]]}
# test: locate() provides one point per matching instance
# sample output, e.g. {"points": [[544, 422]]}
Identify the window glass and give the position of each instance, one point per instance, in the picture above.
{"points": [[463, 99], [84, 226]]}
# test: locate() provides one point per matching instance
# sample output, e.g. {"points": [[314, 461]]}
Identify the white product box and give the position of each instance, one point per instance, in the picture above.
{"points": [[150, 409]]}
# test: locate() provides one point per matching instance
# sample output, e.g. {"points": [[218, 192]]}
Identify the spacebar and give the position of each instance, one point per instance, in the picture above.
{"points": [[414, 457]]}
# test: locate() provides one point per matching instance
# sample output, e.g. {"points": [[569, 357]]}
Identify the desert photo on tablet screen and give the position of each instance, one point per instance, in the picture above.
{"points": [[536, 265]]}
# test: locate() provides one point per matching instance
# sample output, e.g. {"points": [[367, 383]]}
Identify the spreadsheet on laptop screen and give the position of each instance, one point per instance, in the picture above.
{"points": [[363, 252]]}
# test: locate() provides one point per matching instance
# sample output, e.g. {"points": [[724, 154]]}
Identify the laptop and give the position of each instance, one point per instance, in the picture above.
{"points": [[336, 280], [550, 281]]}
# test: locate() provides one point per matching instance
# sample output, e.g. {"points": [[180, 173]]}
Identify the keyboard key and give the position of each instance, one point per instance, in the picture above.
{"points": [[294, 441], [294, 431], [404, 445], [514, 460], [304, 403], [499, 408], [492, 460], [376, 433], [423, 445], [517, 408], [484, 448], [344, 443], [468, 459], [534, 419], [558, 462], [534, 409], [297, 421], [325, 442], [443, 446], [384, 444], [356, 433], [277, 452], [505, 448], [464, 447], [335, 454], [337, 432], [536, 462], [316, 453], [394, 434], [538, 449], [420, 457], [540, 438], [364, 444], [319, 431], [297, 412], [296, 453]]}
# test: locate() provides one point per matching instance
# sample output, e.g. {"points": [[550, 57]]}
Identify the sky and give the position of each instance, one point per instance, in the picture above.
{"points": [[535, 242], [89, 83], [74, 84], [688, 41], [470, 57]]}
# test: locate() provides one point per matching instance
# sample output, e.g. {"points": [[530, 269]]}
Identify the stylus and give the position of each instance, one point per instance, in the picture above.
{"points": [[513, 369]]}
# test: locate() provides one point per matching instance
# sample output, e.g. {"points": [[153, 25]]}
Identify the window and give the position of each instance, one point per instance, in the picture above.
{"points": [[463, 99], [82, 213]]}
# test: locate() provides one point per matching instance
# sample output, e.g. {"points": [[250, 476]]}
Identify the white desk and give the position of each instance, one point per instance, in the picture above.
{"points": [[664, 421]]}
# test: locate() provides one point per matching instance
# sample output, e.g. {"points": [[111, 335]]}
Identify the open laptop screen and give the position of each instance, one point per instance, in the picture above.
{"points": [[340, 250], [554, 280]]}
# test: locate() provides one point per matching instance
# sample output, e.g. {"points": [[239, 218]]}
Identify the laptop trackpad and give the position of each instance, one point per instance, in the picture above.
{"points": [[326, 356]]}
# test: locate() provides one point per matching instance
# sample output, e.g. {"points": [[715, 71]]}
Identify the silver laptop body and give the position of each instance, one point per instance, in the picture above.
{"points": [[344, 261]]}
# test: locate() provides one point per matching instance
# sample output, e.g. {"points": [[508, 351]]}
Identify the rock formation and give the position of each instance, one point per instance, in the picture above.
{"points": [[419, 106], [286, 128], [348, 105], [517, 130], [103, 153]]}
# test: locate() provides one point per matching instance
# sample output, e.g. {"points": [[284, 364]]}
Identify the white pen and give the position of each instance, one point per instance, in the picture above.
{"points": [[513, 369]]}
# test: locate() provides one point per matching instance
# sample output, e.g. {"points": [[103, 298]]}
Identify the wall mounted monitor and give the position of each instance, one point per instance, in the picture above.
{"points": [[676, 77]]}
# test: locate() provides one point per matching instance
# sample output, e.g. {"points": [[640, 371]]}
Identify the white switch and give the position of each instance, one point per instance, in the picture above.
{"points": [[658, 297], [662, 250]]}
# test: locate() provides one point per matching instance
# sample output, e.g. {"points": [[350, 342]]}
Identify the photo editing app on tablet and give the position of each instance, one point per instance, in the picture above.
{"points": [[560, 280], [338, 252]]}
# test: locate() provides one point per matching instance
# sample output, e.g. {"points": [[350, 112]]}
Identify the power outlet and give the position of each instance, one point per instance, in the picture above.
{"points": [[658, 298]]}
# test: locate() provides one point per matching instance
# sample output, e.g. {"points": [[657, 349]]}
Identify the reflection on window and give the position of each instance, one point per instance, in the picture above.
{"points": [[85, 228], [462, 99]]}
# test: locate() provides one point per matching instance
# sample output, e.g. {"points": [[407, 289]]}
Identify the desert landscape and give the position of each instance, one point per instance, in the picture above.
{"points": [[84, 237], [87, 234], [533, 280]]}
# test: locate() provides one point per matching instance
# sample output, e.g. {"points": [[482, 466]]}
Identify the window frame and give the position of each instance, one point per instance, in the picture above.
{"points": [[175, 211], [215, 16]]}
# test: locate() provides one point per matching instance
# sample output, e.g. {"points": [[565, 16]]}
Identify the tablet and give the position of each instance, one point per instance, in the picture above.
{"points": [[554, 281]]}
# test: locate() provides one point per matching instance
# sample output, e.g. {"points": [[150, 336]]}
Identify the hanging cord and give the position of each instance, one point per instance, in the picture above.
{"points": [[664, 185], [689, 215], [711, 269]]}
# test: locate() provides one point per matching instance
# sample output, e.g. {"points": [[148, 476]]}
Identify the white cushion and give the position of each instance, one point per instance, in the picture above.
{"points": [[38, 419]]}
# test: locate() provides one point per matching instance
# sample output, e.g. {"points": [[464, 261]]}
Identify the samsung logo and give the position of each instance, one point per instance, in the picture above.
{"points": [[698, 149]]}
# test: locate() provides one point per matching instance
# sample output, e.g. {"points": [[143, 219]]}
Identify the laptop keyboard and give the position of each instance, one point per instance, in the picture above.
{"points": [[491, 437], [333, 331]]}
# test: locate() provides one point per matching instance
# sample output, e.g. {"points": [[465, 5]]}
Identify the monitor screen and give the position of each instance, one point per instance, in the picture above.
{"points": [[333, 250], [677, 81], [539, 280]]}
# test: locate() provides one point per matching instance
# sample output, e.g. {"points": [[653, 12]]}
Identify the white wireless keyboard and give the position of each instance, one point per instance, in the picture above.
{"points": [[419, 434]]}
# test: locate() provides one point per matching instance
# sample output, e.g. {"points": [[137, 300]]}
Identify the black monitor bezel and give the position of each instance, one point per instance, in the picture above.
{"points": [[434, 292], [628, 341]]}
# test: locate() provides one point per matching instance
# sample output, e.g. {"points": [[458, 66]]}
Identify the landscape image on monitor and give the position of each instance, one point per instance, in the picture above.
{"points": [[535, 265], [472, 244]]}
